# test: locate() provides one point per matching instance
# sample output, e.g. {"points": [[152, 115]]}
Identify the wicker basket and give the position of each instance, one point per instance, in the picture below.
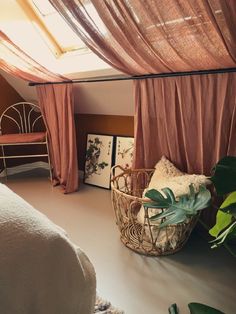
{"points": [[144, 238]]}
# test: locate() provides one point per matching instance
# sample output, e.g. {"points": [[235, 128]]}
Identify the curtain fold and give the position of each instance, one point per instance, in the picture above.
{"points": [[16, 62], [141, 37], [56, 102], [189, 119], [57, 106]]}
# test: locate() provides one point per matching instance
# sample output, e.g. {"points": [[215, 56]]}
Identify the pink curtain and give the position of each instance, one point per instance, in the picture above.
{"points": [[190, 119], [56, 102], [17, 63], [58, 109], [140, 37]]}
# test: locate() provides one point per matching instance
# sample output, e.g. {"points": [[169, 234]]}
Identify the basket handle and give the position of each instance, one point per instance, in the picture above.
{"points": [[113, 177]]}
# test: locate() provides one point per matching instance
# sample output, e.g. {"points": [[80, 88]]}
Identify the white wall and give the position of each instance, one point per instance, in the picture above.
{"points": [[109, 98]]}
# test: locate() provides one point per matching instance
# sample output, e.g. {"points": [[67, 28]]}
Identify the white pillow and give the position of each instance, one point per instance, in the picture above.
{"points": [[179, 184], [165, 168], [166, 175]]}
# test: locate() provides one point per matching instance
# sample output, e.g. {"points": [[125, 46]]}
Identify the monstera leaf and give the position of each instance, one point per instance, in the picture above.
{"points": [[227, 234], [229, 204], [198, 308], [225, 215], [173, 309], [225, 227], [195, 308], [177, 211], [224, 175], [223, 220], [224, 180]]}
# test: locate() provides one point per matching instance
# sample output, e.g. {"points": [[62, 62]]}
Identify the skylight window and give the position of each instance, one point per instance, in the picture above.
{"points": [[63, 35], [45, 8]]}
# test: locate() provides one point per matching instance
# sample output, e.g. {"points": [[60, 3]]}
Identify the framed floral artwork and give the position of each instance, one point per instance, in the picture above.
{"points": [[124, 152], [98, 160]]}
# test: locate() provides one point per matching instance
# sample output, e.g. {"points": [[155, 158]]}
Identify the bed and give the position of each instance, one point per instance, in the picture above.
{"points": [[41, 270]]}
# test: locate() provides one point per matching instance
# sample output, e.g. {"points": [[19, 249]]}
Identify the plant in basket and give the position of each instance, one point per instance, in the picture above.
{"points": [[186, 206], [177, 211]]}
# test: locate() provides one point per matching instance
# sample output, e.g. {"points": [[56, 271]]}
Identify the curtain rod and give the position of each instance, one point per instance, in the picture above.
{"points": [[138, 77]]}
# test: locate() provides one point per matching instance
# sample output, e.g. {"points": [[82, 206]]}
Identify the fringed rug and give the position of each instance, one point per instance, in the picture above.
{"points": [[104, 307]]}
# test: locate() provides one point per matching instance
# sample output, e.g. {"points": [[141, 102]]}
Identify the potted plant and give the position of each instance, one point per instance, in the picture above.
{"points": [[224, 180], [187, 206], [195, 308]]}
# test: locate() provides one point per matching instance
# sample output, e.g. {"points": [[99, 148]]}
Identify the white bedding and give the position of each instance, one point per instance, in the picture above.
{"points": [[41, 270]]}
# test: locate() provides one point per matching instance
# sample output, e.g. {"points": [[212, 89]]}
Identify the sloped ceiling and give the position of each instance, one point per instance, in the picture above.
{"points": [[110, 98], [8, 94], [27, 93]]}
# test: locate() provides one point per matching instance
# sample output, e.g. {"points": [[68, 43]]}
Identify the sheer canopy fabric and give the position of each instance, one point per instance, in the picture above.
{"points": [[140, 37], [17, 63], [189, 119], [56, 102]]}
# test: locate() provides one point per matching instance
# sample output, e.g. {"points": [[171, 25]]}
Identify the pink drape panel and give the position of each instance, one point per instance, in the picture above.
{"points": [[17, 63], [58, 109], [139, 37], [56, 103], [190, 119]]}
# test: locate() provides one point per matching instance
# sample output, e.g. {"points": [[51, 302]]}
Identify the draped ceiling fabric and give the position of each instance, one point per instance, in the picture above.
{"points": [[59, 116], [17, 63], [174, 116], [141, 37], [57, 108]]}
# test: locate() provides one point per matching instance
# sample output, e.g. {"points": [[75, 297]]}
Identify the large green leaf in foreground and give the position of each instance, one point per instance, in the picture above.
{"points": [[223, 237], [229, 204], [225, 215], [195, 308], [222, 221], [198, 308], [177, 211], [173, 309]]}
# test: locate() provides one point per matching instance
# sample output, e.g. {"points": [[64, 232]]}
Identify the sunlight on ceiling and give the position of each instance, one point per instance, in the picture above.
{"points": [[57, 26], [21, 26]]}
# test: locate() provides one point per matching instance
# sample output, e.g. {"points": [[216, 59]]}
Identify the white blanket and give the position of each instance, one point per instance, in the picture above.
{"points": [[41, 271]]}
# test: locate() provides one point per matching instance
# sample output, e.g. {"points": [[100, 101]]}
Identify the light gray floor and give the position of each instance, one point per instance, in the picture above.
{"points": [[135, 283]]}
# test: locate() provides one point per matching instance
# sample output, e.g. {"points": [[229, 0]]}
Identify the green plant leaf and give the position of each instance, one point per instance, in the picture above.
{"points": [[178, 211], [228, 233], [222, 221], [166, 213], [198, 308], [175, 218], [229, 204], [173, 309], [224, 175], [158, 198]]}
